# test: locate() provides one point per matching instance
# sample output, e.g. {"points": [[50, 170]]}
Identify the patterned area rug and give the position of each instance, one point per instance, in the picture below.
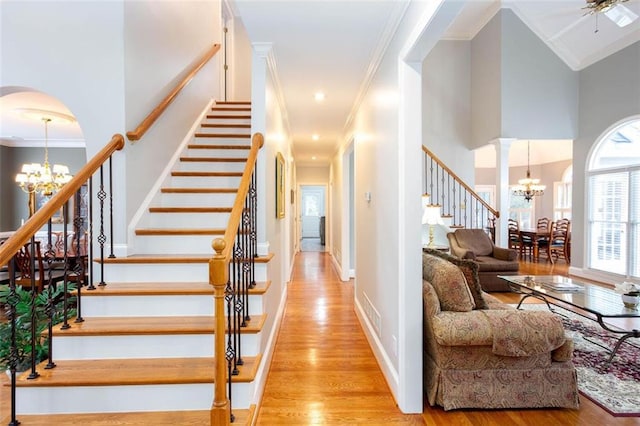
{"points": [[617, 389]]}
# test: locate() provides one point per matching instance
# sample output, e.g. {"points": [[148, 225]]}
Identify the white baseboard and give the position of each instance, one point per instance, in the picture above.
{"points": [[389, 372], [336, 265], [263, 371]]}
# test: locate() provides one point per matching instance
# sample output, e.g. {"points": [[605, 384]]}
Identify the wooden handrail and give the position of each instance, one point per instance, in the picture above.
{"points": [[142, 128], [461, 182], [218, 278], [41, 217]]}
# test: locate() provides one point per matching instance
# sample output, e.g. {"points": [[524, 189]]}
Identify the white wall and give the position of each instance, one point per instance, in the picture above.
{"points": [[446, 92], [162, 41]]}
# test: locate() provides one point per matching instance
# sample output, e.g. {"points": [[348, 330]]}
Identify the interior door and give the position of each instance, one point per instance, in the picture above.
{"points": [[312, 209]]}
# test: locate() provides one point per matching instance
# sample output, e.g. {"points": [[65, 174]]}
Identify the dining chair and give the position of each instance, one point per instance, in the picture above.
{"points": [[30, 269], [560, 240]]}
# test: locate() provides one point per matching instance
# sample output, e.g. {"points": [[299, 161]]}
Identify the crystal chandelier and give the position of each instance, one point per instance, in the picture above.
{"points": [[36, 177], [528, 187]]}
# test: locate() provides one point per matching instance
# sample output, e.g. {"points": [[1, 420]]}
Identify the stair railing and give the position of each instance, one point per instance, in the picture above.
{"points": [[232, 274], [457, 200], [77, 246], [150, 119]]}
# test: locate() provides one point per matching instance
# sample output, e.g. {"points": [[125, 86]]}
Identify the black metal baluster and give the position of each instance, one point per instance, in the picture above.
{"points": [[34, 317], [65, 306], [102, 238], [10, 310], [80, 267], [90, 236]]}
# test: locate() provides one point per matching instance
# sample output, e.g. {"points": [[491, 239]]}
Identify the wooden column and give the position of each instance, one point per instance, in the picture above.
{"points": [[218, 277]]}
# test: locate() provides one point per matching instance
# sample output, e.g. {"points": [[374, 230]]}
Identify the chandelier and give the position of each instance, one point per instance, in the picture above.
{"points": [[41, 178], [528, 187]]}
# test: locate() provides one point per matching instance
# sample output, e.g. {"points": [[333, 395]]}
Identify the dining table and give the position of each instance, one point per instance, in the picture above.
{"points": [[534, 235]]}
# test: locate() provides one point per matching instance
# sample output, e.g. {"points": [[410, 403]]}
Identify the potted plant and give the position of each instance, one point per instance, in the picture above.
{"points": [[23, 324]]}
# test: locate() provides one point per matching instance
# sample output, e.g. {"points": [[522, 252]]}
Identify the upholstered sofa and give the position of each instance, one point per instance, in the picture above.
{"points": [[476, 245], [481, 353]]}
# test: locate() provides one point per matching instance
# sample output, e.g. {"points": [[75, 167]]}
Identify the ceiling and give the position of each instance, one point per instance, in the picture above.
{"points": [[333, 46]]}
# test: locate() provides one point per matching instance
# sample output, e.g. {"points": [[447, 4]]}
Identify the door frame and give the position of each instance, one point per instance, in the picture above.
{"points": [[327, 208]]}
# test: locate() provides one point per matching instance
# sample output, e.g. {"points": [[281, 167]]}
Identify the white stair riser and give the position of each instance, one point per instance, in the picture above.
{"points": [[185, 220], [119, 399], [203, 166], [224, 130], [204, 182], [151, 306], [144, 346], [175, 244], [195, 200], [217, 153], [164, 272]]}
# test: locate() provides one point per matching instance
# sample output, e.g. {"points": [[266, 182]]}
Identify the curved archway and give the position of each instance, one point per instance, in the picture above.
{"points": [[22, 140], [613, 200]]}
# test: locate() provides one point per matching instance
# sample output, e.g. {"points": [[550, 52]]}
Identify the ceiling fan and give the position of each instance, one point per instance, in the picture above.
{"points": [[613, 9]]}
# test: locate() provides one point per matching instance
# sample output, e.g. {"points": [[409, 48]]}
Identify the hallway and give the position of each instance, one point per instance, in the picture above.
{"points": [[323, 370]]}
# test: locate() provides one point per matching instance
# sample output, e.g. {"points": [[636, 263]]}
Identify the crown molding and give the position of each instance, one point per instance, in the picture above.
{"points": [[15, 142]]}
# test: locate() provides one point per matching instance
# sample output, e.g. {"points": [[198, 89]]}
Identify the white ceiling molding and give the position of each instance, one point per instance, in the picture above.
{"points": [[376, 58]]}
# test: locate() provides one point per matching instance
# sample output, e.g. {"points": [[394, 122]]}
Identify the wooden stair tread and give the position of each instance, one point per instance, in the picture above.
{"points": [[164, 289], [190, 209], [239, 117], [213, 160], [198, 190], [231, 108], [134, 371], [180, 231], [223, 135], [142, 418], [127, 326], [180, 173], [226, 125], [172, 258], [209, 146], [233, 102]]}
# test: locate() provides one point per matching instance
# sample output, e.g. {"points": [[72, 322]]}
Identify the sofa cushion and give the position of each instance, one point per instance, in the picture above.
{"points": [[470, 271], [475, 240], [449, 283]]}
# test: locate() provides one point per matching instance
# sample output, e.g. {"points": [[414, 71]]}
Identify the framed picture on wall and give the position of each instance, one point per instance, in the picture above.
{"points": [[280, 196], [41, 200]]}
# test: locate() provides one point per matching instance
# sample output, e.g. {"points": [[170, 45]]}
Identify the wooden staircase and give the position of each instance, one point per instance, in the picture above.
{"points": [[144, 353]]}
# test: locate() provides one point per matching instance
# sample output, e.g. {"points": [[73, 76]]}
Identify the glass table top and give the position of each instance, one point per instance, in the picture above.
{"points": [[593, 298]]}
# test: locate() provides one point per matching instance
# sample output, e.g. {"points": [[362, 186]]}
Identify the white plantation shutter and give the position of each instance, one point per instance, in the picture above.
{"points": [[634, 223]]}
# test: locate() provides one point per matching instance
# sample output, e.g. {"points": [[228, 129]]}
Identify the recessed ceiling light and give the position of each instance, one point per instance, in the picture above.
{"points": [[319, 96], [313, 158], [315, 137]]}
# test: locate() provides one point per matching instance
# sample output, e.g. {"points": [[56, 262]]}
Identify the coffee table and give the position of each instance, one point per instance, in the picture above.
{"points": [[596, 300]]}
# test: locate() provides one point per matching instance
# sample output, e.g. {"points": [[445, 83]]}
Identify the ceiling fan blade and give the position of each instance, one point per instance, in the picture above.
{"points": [[621, 15]]}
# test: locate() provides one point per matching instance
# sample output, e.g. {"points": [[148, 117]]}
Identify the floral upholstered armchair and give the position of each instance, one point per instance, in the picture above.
{"points": [[481, 353]]}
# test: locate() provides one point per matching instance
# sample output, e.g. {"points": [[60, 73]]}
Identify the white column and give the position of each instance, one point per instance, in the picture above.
{"points": [[259, 75], [503, 145]]}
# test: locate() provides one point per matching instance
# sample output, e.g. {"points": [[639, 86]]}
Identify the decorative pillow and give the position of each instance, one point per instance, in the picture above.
{"points": [[449, 283], [470, 270]]}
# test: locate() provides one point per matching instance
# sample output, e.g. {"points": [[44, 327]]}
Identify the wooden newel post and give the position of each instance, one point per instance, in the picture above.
{"points": [[218, 278]]}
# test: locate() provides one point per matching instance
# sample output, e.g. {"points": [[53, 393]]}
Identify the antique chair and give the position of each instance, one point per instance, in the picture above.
{"points": [[30, 268], [476, 245]]}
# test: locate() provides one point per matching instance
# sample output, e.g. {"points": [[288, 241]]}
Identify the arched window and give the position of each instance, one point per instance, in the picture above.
{"points": [[614, 201]]}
